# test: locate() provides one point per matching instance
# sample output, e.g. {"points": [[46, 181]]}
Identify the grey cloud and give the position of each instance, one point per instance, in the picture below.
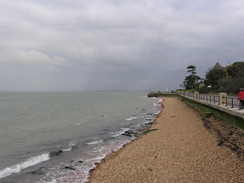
{"points": [[103, 44], [30, 57]]}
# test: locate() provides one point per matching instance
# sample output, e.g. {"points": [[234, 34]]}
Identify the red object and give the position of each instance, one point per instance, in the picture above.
{"points": [[241, 95]]}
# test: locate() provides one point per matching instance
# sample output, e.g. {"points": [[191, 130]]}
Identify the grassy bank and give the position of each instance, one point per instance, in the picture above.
{"points": [[209, 111]]}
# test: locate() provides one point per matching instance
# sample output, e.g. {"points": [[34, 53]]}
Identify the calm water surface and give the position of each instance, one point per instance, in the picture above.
{"points": [[50, 137]]}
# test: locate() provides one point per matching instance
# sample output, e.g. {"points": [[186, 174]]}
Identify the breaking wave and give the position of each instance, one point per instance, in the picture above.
{"points": [[23, 165]]}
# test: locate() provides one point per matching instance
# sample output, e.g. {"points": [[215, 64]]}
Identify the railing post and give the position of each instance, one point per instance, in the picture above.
{"points": [[232, 104], [210, 97], [222, 98], [196, 95], [214, 99]]}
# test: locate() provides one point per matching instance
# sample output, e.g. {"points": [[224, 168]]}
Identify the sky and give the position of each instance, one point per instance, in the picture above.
{"points": [[115, 44]]}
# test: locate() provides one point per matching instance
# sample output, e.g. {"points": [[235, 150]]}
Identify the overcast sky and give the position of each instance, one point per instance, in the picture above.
{"points": [[115, 44]]}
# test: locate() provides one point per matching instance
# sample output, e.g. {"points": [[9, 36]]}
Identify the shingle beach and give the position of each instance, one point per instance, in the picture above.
{"points": [[180, 150]]}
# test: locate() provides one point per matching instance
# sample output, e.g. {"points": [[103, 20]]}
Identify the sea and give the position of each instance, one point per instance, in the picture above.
{"points": [[55, 137]]}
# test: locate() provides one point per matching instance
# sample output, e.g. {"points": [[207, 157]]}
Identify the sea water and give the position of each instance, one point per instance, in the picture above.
{"points": [[61, 136]]}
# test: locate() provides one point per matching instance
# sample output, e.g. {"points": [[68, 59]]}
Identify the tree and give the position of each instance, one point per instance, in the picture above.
{"points": [[213, 78], [235, 69], [229, 81], [191, 80], [236, 80]]}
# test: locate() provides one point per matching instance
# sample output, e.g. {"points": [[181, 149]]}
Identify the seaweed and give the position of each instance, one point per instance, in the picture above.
{"points": [[147, 131]]}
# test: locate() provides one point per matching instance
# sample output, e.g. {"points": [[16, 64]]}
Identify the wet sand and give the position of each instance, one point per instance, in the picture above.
{"points": [[180, 150]]}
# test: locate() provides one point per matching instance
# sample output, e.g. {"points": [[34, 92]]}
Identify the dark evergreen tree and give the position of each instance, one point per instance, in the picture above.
{"points": [[192, 79]]}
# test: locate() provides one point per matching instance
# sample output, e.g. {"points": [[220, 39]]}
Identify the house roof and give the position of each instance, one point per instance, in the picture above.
{"points": [[218, 66]]}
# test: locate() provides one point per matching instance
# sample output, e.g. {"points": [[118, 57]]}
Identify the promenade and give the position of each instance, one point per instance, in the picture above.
{"points": [[228, 104], [180, 150]]}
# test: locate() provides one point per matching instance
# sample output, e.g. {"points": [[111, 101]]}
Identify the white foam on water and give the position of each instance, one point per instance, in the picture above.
{"points": [[81, 174], [132, 118], [23, 165], [118, 133], [95, 142], [52, 181], [90, 159], [67, 150], [160, 100]]}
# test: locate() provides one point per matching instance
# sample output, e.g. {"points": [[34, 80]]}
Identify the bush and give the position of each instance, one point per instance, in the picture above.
{"points": [[204, 89]]}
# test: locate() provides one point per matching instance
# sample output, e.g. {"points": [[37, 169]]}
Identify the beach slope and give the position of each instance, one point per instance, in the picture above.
{"points": [[180, 150]]}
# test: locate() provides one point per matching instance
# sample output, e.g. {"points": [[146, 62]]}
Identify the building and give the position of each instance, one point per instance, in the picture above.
{"points": [[218, 66]]}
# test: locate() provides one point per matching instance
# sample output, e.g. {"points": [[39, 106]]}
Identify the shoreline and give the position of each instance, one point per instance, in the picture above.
{"points": [[164, 155], [146, 130], [113, 154]]}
